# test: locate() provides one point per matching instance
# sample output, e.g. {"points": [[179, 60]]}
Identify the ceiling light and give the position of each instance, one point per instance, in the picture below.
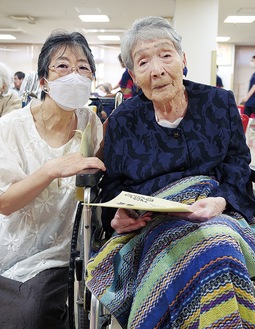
{"points": [[9, 29], [22, 18], [8, 50], [7, 37], [239, 19], [94, 18], [103, 30], [108, 37], [222, 39]]}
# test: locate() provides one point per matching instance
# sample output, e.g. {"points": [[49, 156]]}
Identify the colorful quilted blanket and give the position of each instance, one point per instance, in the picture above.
{"points": [[176, 274]]}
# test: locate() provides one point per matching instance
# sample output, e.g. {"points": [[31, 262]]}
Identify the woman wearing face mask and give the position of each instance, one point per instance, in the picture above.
{"points": [[249, 99], [39, 158]]}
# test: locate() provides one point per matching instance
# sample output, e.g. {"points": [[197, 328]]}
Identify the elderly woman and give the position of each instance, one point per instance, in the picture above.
{"points": [[183, 141], [9, 99], [39, 157]]}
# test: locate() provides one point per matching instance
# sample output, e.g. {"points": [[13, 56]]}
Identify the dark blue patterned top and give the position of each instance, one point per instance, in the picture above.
{"points": [[141, 156]]}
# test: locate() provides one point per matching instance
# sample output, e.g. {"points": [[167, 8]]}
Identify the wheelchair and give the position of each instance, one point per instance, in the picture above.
{"points": [[88, 234], [104, 106], [87, 238], [30, 88], [85, 311]]}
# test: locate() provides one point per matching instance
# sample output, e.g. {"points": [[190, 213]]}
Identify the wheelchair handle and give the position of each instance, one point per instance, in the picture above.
{"points": [[88, 177]]}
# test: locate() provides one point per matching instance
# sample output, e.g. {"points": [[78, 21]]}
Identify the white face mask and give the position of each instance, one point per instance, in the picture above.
{"points": [[70, 91]]}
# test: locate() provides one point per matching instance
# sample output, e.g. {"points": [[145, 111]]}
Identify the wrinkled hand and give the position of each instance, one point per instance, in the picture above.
{"points": [[124, 221], [72, 164], [204, 209]]}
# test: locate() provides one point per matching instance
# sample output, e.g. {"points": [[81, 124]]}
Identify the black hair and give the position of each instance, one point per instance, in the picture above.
{"points": [[61, 39], [20, 75]]}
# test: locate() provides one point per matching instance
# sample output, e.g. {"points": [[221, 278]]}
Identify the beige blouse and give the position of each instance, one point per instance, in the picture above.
{"points": [[9, 103], [38, 236]]}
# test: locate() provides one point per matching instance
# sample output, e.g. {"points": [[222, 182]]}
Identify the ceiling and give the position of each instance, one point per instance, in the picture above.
{"points": [[46, 16]]}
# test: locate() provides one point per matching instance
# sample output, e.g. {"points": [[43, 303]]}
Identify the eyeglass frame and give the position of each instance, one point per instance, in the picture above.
{"points": [[71, 69]]}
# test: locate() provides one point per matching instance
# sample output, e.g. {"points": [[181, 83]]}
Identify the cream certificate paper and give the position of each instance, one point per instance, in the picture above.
{"points": [[128, 200]]}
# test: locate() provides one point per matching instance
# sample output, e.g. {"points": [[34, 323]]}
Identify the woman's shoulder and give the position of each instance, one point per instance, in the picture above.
{"points": [[85, 112], [16, 125], [133, 111], [198, 86], [133, 104], [204, 92], [85, 115]]}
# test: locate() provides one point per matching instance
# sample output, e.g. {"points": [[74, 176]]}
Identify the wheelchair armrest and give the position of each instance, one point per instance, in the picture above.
{"points": [[88, 177]]}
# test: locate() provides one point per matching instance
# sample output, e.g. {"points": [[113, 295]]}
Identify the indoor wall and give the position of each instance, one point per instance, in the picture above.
{"points": [[233, 62], [22, 57]]}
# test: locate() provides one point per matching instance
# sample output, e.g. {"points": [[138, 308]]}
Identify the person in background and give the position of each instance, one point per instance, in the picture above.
{"points": [[9, 99], [18, 79], [126, 83], [103, 100], [39, 158], [249, 99], [219, 82], [30, 88], [183, 141], [103, 90]]}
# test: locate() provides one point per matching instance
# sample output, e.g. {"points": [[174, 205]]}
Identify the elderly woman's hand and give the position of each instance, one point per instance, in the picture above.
{"points": [[124, 221], [204, 209]]}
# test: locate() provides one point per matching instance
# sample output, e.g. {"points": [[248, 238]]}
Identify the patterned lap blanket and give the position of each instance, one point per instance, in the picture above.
{"points": [[177, 274]]}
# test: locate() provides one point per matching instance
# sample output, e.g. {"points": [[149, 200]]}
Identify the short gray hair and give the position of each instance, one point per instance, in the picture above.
{"points": [[5, 77], [148, 28]]}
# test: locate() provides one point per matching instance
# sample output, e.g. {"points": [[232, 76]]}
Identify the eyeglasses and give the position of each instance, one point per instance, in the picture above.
{"points": [[64, 69]]}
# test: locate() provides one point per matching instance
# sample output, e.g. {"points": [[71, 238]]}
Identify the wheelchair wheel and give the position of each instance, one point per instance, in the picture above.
{"points": [[83, 309], [76, 266]]}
